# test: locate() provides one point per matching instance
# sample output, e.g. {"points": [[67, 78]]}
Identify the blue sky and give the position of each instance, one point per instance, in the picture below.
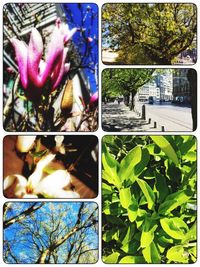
{"points": [[85, 17], [21, 240]]}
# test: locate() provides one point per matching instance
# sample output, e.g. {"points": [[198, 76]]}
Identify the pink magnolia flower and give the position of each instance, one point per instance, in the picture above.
{"points": [[10, 70], [94, 99], [90, 39], [35, 72]]}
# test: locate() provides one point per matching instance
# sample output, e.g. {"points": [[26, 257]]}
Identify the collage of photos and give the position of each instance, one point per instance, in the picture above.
{"points": [[100, 127]]}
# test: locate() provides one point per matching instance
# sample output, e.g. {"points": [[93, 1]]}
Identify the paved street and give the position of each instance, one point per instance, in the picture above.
{"points": [[119, 118], [109, 57], [172, 117]]}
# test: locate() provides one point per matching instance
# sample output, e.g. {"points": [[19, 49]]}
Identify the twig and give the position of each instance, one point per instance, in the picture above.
{"points": [[9, 105]]}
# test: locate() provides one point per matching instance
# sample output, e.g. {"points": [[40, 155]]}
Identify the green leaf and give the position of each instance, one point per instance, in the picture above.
{"points": [[114, 220], [132, 259], [39, 154], [139, 168], [189, 175], [190, 156], [166, 147], [187, 145], [129, 235], [110, 168], [126, 169], [110, 235], [125, 197], [147, 236], [174, 200], [174, 227], [133, 210], [112, 258], [151, 254], [177, 254], [131, 248], [172, 172], [148, 193], [191, 234], [106, 189], [113, 209], [161, 186]]}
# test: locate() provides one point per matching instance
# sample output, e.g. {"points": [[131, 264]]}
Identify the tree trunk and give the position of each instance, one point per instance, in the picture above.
{"points": [[22, 215], [192, 78], [126, 99], [43, 256], [132, 105]]}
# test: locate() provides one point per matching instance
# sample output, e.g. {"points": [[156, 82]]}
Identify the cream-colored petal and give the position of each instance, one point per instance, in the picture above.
{"points": [[36, 176], [50, 184], [45, 161], [30, 196], [25, 143], [59, 140], [17, 183]]}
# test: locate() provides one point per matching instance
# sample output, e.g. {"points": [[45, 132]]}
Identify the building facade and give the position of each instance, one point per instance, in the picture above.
{"points": [[181, 86], [147, 90]]}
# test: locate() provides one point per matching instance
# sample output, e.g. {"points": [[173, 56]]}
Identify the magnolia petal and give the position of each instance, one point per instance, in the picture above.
{"points": [[21, 53], [94, 97], [18, 182], [53, 183], [45, 161], [42, 66], [25, 143], [68, 35], [58, 179], [36, 176], [59, 140], [10, 180], [62, 69], [35, 50], [30, 196], [54, 54]]}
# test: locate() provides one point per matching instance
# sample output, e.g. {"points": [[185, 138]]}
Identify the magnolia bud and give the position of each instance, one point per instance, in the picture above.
{"points": [[25, 143]]}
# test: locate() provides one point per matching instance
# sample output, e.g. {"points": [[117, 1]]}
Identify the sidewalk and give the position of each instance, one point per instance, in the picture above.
{"points": [[119, 118]]}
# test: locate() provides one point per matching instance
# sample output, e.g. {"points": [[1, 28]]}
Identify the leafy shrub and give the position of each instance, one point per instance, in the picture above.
{"points": [[149, 199]]}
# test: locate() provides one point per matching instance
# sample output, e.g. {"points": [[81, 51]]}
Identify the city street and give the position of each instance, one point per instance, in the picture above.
{"points": [[172, 117], [119, 118], [109, 57]]}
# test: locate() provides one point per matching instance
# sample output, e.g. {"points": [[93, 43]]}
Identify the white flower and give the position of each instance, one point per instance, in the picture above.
{"points": [[50, 186], [25, 143], [59, 146]]}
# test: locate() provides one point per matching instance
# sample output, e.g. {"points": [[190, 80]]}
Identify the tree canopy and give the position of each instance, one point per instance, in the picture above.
{"points": [[149, 33], [58, 232], [117, 82]]}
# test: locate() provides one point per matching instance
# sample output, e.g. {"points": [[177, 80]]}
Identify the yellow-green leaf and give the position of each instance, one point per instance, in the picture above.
{"points": [[174, 227], [112, 258], [125, 197], [128, 163], [132, 259], [148, 193], [177, 254], [151, 254], [166, 147]]}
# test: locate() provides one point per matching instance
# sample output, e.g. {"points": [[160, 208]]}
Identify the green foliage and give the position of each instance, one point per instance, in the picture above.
{"points": [[149, 199], [117, 82], [149, 33]]}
